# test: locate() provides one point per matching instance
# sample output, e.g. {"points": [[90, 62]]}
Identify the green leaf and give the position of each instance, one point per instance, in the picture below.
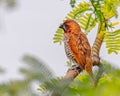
{"points": [[87, 22], [112, 40], [58, 36], [79, 10], [11, 3], [72, 3], [36, 70], [108, 9], [81, 86], [56, 85]]}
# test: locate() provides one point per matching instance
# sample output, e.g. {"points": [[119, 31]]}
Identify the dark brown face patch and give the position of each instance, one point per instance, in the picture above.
{"points": [[64, 26], [69, 26]]}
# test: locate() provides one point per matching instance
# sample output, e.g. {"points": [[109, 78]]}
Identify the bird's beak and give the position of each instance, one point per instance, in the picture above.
{"points": [[62, 26]]}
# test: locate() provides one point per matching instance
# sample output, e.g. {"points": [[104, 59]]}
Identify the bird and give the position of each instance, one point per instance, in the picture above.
{"points": [[76, 44]]}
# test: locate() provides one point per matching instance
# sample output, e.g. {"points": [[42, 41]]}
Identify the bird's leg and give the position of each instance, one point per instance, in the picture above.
{"points": [[73, 72], [75, 67]]}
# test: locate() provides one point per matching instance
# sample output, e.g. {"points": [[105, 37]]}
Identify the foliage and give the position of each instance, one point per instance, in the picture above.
{"points": [[90, 14], [107, 85], [112, 40], [108, 81], [34, 71], [78, 11], [58, 37], [13, 88], [72, 3], [87, 22], [9, 3]]}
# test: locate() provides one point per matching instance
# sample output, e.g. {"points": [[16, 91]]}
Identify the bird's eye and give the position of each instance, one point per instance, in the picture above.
{"points": [[66, 25]]}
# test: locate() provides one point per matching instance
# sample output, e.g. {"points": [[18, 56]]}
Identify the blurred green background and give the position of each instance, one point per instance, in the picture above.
{"points": [[27, 27]]}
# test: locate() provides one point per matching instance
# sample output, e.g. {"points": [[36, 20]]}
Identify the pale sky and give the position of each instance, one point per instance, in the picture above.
{"points": [[29, 29]]}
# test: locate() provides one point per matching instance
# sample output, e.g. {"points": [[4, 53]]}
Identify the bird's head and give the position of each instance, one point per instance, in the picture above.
{"points": [[69, 25]]}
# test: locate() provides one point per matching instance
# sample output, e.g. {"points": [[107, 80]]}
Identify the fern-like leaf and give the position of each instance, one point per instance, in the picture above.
{"points": [[112, 40], [56, 86], [108, 9], [58, 36], [76, 14], [36, 70], [79, 10], [87, 22]]}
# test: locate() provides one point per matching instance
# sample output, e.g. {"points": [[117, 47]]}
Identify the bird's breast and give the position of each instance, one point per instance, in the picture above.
{"points": [[67, 48]]}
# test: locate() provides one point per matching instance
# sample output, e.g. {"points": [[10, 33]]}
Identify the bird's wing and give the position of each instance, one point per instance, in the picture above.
{"points": [[85, 43], [87, 50], [79, 46]]}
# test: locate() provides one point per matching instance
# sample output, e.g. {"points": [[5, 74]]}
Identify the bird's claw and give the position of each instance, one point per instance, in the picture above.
{"points": [[76, 68]]}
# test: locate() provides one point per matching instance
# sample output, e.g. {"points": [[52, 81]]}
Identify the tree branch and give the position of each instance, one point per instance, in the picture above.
{"points": [[96, 48]]}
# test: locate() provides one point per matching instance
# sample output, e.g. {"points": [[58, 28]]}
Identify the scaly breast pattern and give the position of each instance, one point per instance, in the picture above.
{"points": [[68, 49]]}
